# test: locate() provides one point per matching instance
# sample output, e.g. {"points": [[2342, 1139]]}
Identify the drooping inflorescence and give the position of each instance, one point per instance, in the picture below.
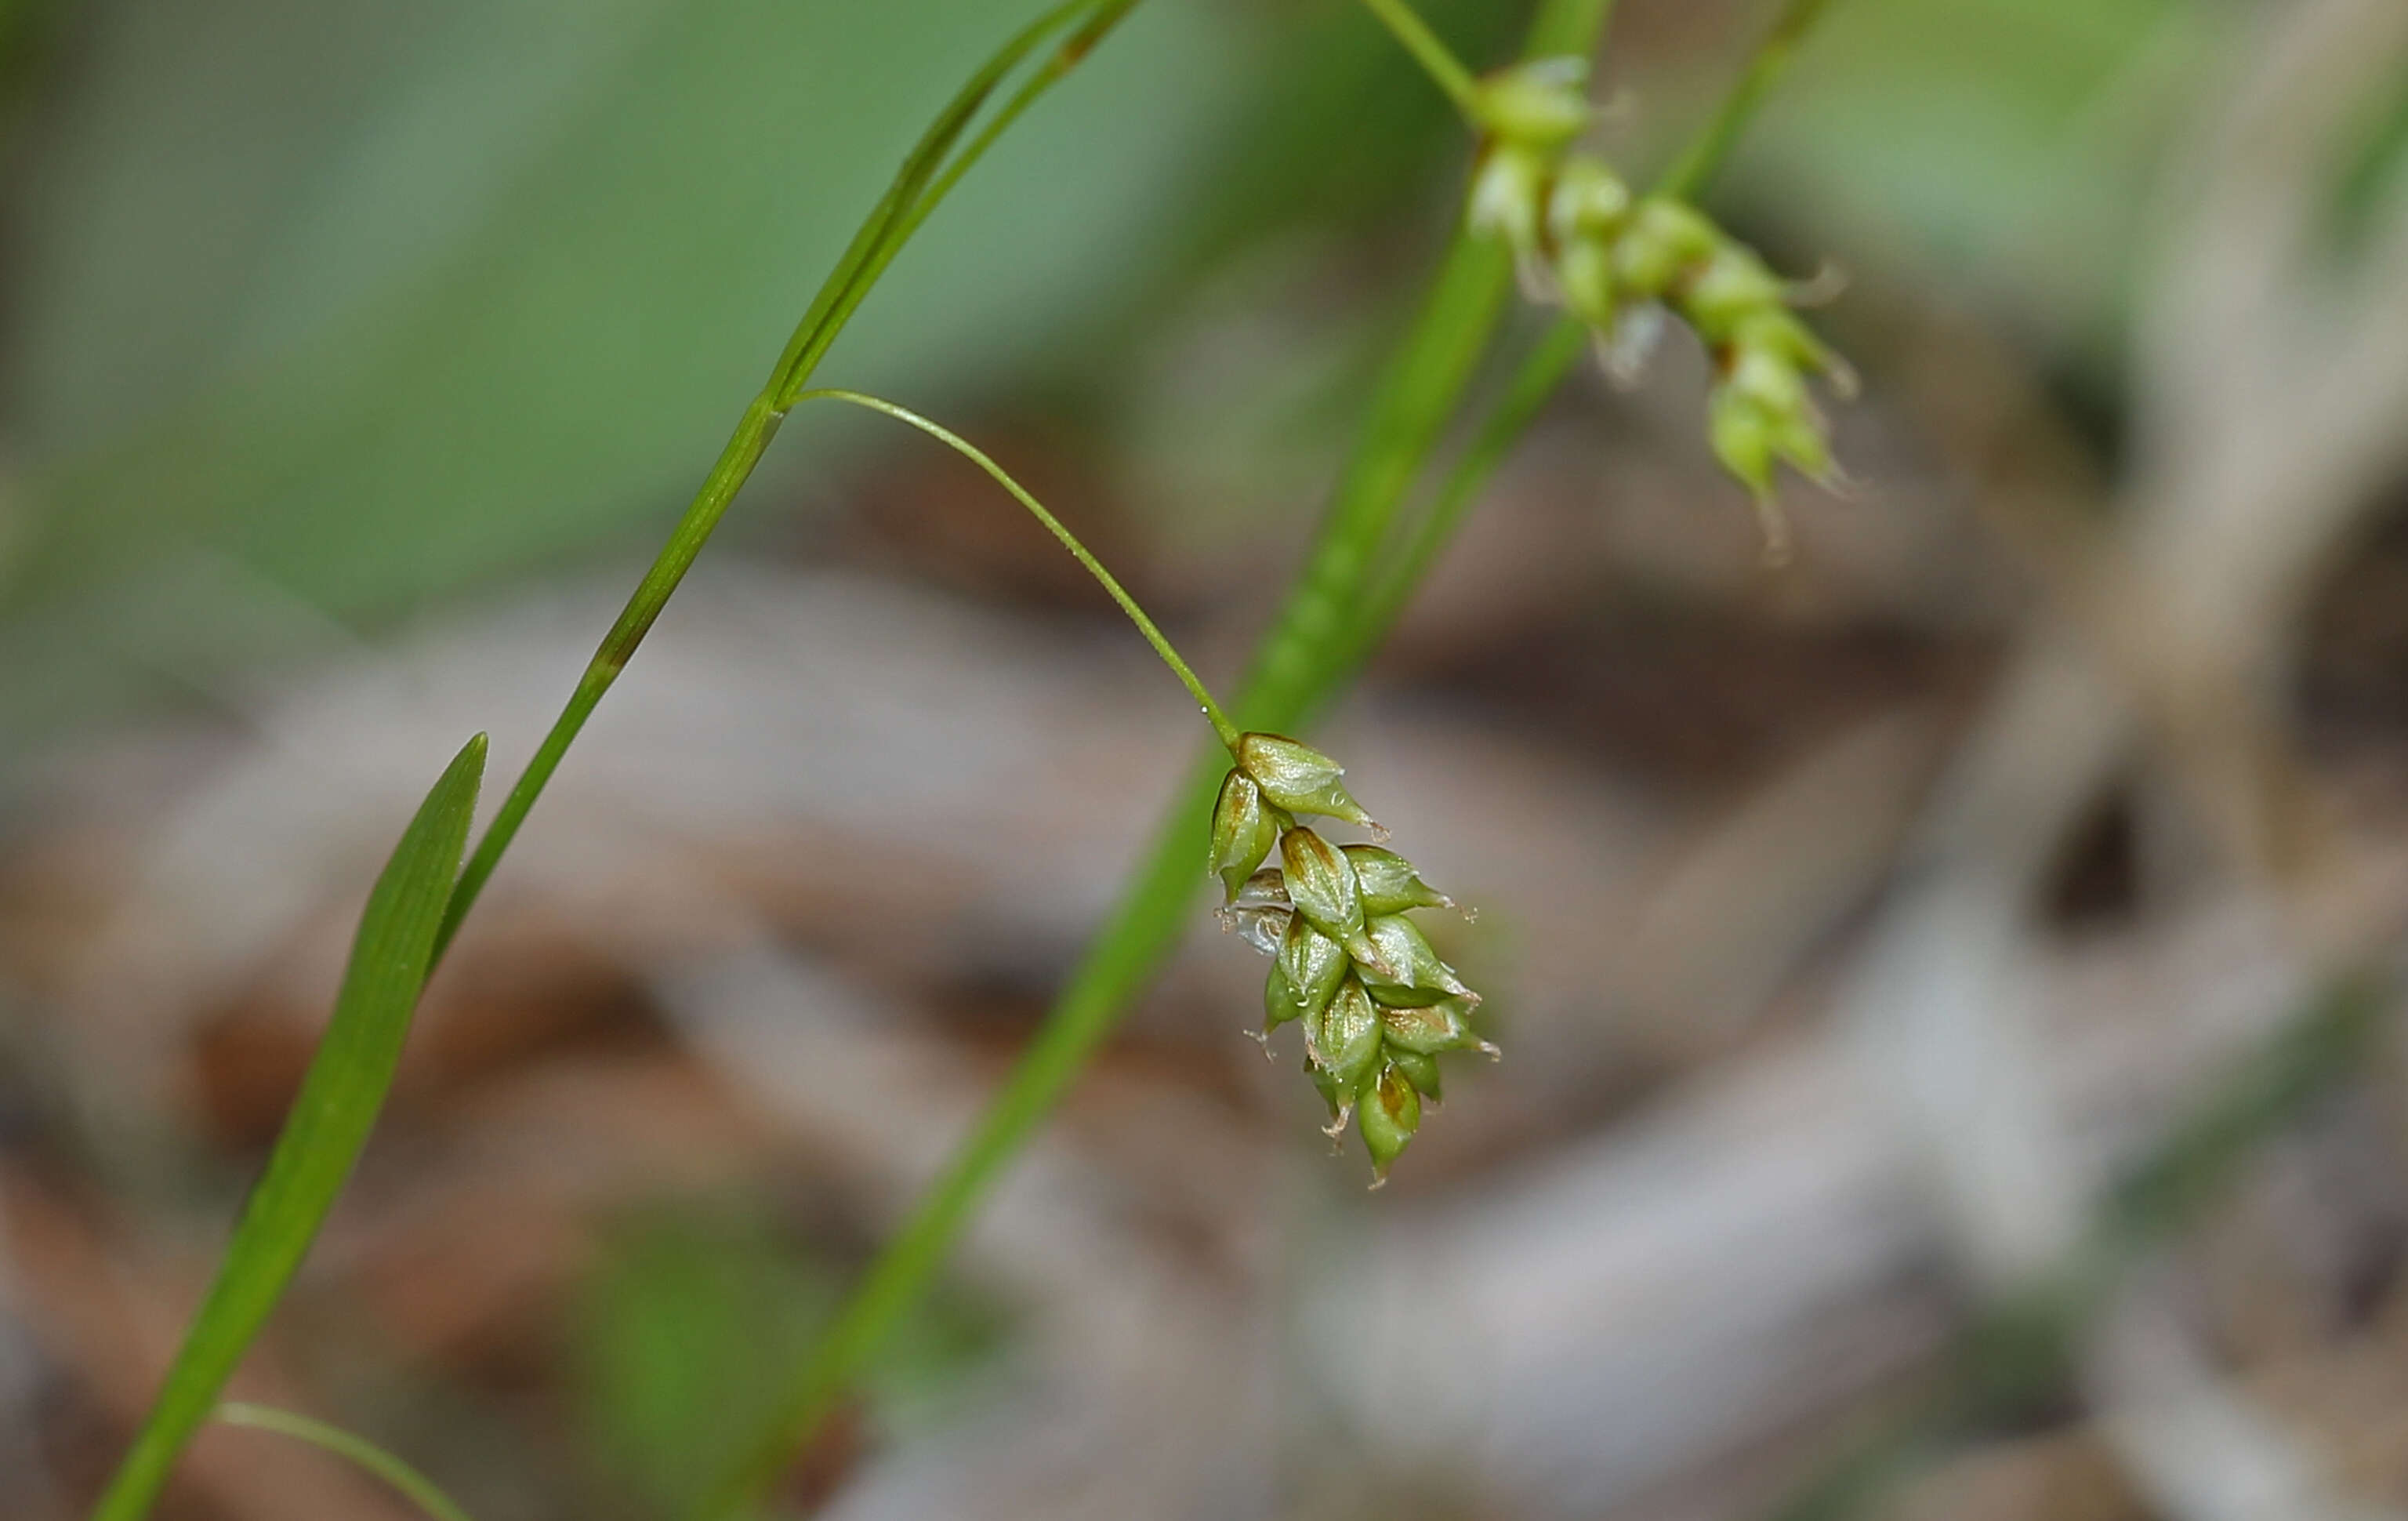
{"points": [[1377, 1005], [1618, 261]]}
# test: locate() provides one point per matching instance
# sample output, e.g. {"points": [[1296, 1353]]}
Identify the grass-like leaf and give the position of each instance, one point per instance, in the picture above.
{"points": [[329, 1123]]}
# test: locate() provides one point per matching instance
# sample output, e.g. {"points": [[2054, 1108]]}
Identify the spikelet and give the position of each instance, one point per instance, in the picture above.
{"points": [[1582, 240], [1377, 1006]]}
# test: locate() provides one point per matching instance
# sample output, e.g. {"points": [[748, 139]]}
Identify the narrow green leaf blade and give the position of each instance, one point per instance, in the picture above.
{"points": [[322, 1136]]}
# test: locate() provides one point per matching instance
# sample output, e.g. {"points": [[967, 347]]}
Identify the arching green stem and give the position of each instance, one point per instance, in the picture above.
{"points": [[414, 1486], [1145, 626]]}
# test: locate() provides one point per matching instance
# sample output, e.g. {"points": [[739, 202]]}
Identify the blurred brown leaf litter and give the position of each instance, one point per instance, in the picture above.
{"points": [[1851, 932]]}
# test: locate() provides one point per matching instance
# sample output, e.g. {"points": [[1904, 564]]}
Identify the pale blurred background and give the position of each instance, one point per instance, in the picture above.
{"points": [[1869, 940]]}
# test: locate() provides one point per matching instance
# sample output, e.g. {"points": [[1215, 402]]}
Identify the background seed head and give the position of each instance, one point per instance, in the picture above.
{"points": [[1542, 105]]}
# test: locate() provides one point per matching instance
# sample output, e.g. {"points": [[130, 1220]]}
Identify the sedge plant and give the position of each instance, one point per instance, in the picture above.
{"points": [[1376, 1004]]}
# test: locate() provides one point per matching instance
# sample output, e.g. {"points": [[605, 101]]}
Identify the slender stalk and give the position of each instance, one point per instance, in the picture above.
{"points": [[1145, 626], [414, 1486], [1687, 179], [1436, 58], [922, 183]]}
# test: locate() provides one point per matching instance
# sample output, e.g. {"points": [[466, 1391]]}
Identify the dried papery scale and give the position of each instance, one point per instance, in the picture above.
{"points": [[1376, 1004]]}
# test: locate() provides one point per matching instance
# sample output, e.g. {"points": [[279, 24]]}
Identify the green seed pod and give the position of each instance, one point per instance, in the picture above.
{"points": [[1770, 382], [1311, 965], [1407, 971], [1243, 832], [1539, 105], [1733, 290], [1666, 239], [1297, 779], [1280, 1003], [1321, 883], [1585, 279], [1741, 438], [1346, 1040], [1419, 1071], [1589, 202], [1390, 1113], [1428, 1030], [1389, 883]]}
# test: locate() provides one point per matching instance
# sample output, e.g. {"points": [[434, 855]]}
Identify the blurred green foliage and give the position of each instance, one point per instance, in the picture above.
{"points": [[682, 1335], [335, 308], [377, 298]]}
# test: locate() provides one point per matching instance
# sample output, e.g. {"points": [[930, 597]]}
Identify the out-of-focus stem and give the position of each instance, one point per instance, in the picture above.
{"points": [[1688, 177], [1436, 58]]}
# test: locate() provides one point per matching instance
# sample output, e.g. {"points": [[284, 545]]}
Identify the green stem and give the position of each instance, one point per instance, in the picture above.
{"points": [[1145, 626], [1437, 60], [1686, 179], [919, 187], [414, 1486]]}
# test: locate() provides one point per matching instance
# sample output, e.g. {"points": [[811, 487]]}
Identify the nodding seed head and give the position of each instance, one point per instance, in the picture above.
{"points": [[1376, 1004]]}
